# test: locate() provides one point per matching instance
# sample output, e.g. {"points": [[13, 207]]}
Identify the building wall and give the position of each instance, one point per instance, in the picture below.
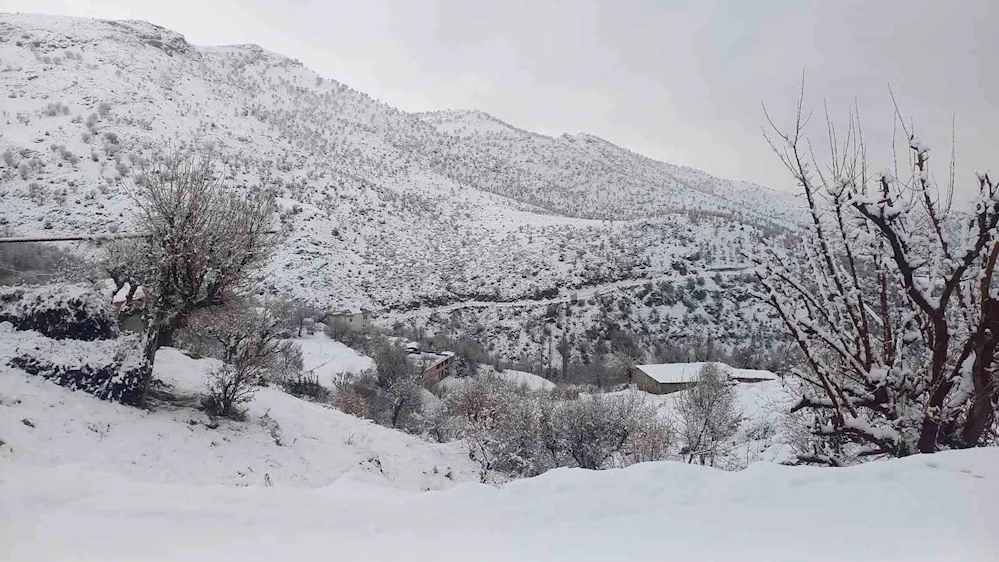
{"points": [[670, 387], [439, 371], [355, 321], [644, 382]]}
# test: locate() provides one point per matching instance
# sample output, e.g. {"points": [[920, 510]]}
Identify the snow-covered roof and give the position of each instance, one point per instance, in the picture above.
{"points": [[690, 372], [672, 372]]}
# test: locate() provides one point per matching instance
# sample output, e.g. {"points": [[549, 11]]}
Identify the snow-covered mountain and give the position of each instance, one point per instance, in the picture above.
{"points": [[386, 209]]}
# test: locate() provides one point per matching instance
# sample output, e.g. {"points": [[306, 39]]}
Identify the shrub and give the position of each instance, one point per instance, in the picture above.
{"points": [[35, 263], [306, 385], [229, 387], [346, 397], [356, 339], [524, 433], [241, 334]]}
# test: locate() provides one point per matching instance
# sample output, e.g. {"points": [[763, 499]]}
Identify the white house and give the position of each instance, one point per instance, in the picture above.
{"points": [[356, 318]]}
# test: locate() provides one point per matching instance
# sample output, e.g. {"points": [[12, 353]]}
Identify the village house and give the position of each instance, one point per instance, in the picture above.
{"points": [[355, 318], [666, 378], [436, 366]]}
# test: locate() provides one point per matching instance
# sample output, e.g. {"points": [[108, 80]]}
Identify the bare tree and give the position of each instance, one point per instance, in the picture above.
{"points": [[241, 333], [708, 416], [203, 241], [892, 302]]}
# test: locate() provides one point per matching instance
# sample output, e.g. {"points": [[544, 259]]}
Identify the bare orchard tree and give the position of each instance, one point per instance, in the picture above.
{"points": [[708, 416], [891, 298], [204, 239]]}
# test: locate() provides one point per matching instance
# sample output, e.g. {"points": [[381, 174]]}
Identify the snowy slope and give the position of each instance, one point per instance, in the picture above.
{"points": [[578, 174], [386, 209], [326, 358], [939, 507], [285, 441], [519, 378]]}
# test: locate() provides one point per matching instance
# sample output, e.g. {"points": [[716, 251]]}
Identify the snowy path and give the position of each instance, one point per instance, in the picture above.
{"points": [[577, 294], [942, 507]]}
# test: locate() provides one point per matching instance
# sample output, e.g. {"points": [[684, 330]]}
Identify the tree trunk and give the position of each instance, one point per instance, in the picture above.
{"points": [[150, 343], [166, 336], [396, 411]]}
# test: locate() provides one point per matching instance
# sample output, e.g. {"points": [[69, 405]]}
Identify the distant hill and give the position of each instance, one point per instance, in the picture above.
{"points": [[385, 209]]}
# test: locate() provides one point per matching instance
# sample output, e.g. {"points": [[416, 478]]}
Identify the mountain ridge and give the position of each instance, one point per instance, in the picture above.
{"points": [[384, 208]]}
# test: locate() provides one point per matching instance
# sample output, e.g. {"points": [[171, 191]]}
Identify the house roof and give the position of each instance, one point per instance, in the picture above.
{"points": [[690, 372]]}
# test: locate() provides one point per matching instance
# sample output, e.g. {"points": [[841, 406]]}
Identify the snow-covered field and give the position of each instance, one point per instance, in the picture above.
{"points": [[328, 358], [83, 479], [941, 507], [286, 442]]}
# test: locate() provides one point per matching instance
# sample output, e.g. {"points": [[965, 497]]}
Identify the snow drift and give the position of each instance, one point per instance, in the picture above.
{"points": [[920, 508]]}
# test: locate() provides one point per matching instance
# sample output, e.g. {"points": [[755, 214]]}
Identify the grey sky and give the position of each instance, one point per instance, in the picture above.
{"points": [[680, 81]]}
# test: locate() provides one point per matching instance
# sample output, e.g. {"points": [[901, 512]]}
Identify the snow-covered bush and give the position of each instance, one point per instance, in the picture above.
{"points": [[708, 417], [346, 397], [229, 386], [513, 430], [306, 386], [108, 369], [242, 334], [58, 311], [34, 263], [358, 339]]}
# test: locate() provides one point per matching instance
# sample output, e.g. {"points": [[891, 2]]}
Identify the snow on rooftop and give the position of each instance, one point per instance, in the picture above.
{"points": [[690, 372]]}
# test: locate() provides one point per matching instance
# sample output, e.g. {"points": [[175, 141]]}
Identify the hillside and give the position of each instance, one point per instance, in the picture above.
{"points": [[384, 209], [285, 442]]}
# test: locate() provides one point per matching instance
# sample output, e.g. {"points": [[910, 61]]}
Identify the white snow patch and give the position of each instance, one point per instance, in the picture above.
{"points": [[918, 508], [327, 358]]}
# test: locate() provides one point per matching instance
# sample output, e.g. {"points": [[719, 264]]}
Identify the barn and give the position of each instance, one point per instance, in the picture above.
{"points": [[665, 378]]}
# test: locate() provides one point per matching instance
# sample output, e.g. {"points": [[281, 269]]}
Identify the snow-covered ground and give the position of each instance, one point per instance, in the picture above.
{"points": [[940, 507], [285, 441], [84, 479], [530, 380], [328, 358]]}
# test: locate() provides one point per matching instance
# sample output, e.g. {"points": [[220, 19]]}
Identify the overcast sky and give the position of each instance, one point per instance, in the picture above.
{"points": [[680, 81]]}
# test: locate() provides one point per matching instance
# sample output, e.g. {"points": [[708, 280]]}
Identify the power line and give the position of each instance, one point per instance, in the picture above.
{"points": [[72, 237], [81, 237]]}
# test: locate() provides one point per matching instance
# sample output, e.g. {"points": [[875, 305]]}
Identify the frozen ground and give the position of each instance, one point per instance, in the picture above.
{"points": [[82, 479], [922, 508], [285, 441], [328, 358]]}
